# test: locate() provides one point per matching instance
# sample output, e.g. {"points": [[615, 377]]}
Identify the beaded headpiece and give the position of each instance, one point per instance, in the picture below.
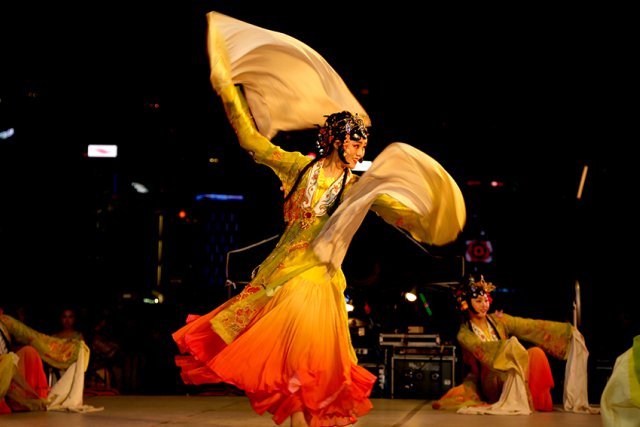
{"points": [[472, 290], [338, 126]]}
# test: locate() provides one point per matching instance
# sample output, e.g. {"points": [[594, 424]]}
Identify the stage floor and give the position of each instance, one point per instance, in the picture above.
{"points": [[228, 411]]}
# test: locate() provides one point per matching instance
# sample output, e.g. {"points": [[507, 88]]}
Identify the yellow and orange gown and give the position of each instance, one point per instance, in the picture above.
{"points": [[284, 339], [288, 329]]}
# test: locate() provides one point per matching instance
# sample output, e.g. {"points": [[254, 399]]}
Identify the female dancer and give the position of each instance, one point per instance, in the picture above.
{"points": [[284, 339]]}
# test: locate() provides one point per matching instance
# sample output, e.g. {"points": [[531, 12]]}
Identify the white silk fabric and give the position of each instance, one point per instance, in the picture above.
{"points": [[67, 394], [514, 399], [288, 85], [414, 179], [576, 396]]}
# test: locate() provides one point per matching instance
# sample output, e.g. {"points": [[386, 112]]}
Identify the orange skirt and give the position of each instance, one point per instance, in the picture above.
{"points": [[25, 385], [294, 355], [540, 380], [31, 368]]}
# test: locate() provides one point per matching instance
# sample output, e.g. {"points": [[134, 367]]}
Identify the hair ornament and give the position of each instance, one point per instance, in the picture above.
{"points": [[338, 126], [472, 289]]}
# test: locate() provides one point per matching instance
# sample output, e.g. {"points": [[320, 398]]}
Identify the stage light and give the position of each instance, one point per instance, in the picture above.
{"points": [[155, 298], [219, 197], [349, 302], [7, 133], [411, 296], [105, 150], [140, 188]]}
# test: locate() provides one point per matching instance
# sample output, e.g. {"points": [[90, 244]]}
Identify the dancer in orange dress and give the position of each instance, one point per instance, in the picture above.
{"points": [[284, 340]]}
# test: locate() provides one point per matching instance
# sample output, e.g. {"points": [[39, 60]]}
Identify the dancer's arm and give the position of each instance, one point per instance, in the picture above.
{"points": [[234, 102]]}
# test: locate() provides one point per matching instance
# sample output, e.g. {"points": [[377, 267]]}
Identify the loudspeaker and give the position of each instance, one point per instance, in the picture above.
{"points": [[421, 377]]}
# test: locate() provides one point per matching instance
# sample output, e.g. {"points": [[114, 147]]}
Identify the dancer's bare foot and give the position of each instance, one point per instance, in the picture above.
{"points": [[297, 420]]}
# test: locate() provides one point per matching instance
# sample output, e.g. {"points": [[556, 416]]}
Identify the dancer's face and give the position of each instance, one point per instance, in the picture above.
{"points": [[353, 151], [480, 305]]}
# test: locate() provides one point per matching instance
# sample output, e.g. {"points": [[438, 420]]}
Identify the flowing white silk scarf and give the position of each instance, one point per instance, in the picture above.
{"points": [[412, 178], [287, 84]]}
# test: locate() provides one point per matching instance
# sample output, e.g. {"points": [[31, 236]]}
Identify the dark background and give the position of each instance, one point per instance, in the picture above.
{"points": [[526, 96]]}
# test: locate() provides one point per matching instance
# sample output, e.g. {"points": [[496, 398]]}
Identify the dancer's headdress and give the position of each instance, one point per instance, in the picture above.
{"points": [[472, 289], [338, 126]]}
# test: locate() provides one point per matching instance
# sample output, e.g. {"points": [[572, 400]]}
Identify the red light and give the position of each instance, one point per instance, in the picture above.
{"points": [[182, 214]]}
